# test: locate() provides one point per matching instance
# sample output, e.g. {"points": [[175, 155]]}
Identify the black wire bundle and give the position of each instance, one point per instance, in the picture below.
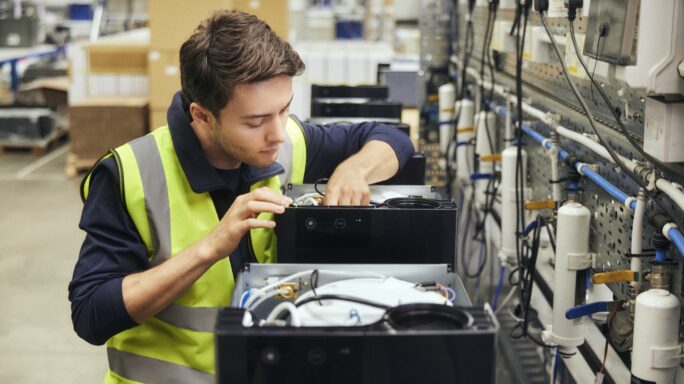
{"points": [[618, 120], [527, 270], [520, 24]]}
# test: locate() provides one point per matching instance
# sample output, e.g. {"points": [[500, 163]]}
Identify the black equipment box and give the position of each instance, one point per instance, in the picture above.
{"points": [[368, 92], [418, 229], [411, 343], [369, 110]]}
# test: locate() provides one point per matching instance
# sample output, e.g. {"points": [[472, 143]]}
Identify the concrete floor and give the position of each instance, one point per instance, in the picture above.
{"points": [[39, 244]]}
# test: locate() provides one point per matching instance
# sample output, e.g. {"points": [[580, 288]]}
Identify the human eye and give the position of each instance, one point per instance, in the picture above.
{"points": [[256, 124]]}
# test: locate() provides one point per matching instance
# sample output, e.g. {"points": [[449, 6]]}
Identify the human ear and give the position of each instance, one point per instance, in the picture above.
{"points": [[201, 116]]}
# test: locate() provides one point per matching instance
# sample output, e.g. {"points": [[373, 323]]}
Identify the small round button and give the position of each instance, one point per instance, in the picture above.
{"points": [[316, 356], [270, 356], [310, 223], [340, 223]]}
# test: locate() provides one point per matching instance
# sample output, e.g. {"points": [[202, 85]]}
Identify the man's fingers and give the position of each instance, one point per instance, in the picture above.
{"points": [[269, 195], [259, 223], [255, 207], [332, 196]]}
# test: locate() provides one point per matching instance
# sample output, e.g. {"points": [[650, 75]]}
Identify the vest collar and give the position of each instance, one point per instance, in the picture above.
{"points": [[201, 175]]}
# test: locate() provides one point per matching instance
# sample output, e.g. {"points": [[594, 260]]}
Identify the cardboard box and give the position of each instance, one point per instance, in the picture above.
{"points": [[157, 118], [164, 74], [100, 124], [274, 12], [122, 53], [173, 21], [51, 91]]}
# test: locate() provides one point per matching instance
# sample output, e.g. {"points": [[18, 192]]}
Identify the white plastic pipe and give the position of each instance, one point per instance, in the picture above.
{"points": [[447, 98], [671, 191], [484, 145], [486, 134], [637, 230], [572, 254], [508, 129], [507, 252], [656, 350], [465, 133]]}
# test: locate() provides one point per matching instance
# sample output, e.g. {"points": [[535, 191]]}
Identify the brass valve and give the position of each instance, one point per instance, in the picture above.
{"points": [[614, 277], [540, 204]]}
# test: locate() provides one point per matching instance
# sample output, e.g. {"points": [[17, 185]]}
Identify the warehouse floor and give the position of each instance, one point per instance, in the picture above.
{"points": [[40, 243]]}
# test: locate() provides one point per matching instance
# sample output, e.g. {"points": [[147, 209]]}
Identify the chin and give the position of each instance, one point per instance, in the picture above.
{"points": [[263, 162]]}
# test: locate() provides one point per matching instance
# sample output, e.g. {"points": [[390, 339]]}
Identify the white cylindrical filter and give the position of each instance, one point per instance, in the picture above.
{"points": [[509, 158], [447, 98], [484, 145], [572, 243], [656, 348], [465, 132]]}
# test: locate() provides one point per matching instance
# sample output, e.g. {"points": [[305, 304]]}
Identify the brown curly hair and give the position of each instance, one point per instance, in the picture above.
{"points": [[231, 48]]}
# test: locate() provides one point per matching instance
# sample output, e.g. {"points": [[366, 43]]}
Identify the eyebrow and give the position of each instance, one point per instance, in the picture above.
{"points": [[261, 116]]}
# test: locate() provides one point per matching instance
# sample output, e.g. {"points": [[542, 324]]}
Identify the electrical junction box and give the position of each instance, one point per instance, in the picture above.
{"points": [[557, 8], [611, 30], [664, 130], [538, 47], [659, 51], [502, 41]]}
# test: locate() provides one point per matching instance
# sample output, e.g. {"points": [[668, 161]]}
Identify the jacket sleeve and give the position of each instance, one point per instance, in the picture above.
{"points": [[328, 145], [111, 250]]}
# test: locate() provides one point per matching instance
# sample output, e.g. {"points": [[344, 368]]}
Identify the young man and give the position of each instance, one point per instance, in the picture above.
{"points": [[171, 217]]}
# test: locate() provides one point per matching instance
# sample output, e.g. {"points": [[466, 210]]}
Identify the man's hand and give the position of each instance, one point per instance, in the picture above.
{"points": [[349, 184], [241, 217]]}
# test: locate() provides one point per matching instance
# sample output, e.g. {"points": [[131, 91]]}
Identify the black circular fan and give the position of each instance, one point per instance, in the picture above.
{"points": [[412, 202], [428, 317]]}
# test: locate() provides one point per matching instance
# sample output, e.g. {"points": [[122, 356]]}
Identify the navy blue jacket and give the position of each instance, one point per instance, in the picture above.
{"points": [[113, 248]]}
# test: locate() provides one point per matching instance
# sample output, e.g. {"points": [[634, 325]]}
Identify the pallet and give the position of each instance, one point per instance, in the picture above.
{"points": [[36, 147], [76, 165]]}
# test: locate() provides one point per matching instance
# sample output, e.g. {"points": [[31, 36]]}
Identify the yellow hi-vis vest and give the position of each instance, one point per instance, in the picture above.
{"points": [[177, 344]]}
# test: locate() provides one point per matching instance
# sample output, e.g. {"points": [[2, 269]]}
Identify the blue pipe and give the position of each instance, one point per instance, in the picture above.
{"points": [[677, 238], [603, 183], [530, 227], [591, 174], [482, 176], [661, 255], [586, 309]]}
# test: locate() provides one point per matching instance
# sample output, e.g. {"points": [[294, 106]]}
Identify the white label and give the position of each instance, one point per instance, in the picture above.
{"points": [[154, 56], [13, 39]]}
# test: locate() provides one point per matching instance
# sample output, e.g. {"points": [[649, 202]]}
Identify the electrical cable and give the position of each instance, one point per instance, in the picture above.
{"points": [[584, 106], [341, 298], [320, 181], [521, 30], [313, 282]]}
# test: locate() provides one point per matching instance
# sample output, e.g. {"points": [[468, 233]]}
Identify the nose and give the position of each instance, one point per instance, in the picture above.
{"points": [[276, 131]]}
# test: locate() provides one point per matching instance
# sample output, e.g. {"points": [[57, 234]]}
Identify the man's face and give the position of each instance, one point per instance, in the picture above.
{"points": [[251, 127]]}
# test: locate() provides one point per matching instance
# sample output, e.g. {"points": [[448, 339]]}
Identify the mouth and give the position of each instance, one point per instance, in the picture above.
{"points": [[270, 150]]}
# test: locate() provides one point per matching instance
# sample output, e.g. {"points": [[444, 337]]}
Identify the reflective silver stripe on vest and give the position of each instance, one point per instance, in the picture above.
{"points": [[156, 195], [200, 319], [149, 370], [285, 158]]}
